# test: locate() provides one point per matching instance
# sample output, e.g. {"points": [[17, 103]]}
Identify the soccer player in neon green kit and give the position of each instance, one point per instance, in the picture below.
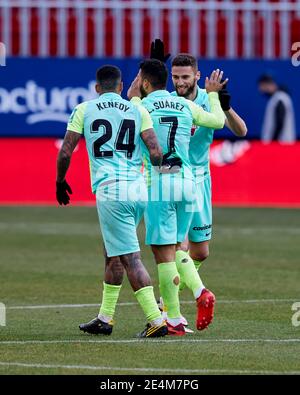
{"points": [[185, 77], [167, 222], [114, 130]]}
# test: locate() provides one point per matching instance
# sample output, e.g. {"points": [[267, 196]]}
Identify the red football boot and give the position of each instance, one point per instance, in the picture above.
{"points": [[177, 330], [205, 309]]}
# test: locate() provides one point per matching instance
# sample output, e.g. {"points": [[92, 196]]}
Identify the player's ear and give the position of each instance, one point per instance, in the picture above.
{"points": [[198, 75], [145, 84], [97, 88]]}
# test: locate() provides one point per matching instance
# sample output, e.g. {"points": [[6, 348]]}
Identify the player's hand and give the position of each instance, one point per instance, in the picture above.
{"points": [[157, 51], [214, 84], [224, 97], [135, 88], [170, 166], [62, 189]]}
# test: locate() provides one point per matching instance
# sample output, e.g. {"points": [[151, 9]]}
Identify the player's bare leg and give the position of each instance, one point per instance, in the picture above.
{"points": [[113, 278], [136, 272], [140, 282], [198, 252], [169, 285], [114, 270]]}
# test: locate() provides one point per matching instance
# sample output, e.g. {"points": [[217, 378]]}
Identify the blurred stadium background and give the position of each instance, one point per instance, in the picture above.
{"points": [[52, 256]]}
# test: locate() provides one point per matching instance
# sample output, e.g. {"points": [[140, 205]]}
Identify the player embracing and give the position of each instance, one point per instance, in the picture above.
{"points": [[171, 193], [114, 130]]}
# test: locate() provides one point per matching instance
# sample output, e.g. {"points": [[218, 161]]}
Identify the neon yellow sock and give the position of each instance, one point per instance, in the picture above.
{"points": [[169, 287], [145, 297], [182, 284], [188, 272], [109, 299]]}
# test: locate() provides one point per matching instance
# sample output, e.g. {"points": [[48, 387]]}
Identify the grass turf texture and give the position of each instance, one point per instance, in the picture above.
{"points": [[54, 256]]}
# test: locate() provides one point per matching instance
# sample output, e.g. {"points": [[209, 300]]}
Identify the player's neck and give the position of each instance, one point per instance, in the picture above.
{"points": [[102, 92], [192, 96], [151, 90]]}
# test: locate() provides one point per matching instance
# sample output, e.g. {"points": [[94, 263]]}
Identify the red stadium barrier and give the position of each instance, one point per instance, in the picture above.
{"points": [[248, 174], [260, 30]]}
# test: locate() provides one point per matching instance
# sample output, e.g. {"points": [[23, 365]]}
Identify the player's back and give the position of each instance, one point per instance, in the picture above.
{"points": [[112, 128], [172, 121]]}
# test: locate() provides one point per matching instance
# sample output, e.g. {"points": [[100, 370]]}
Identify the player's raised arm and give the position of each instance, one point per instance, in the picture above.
{"points": [[216, 118], [233, 121], [157, 51], [134, 90]]}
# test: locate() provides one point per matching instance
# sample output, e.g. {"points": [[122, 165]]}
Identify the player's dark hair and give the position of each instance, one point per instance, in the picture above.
{"points": [[108, 77], [155, 72], [185, 59]]}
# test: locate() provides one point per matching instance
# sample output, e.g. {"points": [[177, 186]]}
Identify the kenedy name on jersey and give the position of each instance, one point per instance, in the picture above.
{"points": [[112, 104]]}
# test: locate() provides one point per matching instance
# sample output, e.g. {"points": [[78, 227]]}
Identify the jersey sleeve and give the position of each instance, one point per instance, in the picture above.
{"points": [[76, 120], [146, 119], [136, 100], [214, 119]]}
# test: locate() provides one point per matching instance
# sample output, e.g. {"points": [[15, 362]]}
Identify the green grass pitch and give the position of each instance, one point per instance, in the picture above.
{"points": [[51, 257]]}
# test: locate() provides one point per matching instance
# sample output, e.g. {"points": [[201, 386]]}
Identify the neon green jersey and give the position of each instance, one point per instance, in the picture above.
{"points": [[111, 127]]}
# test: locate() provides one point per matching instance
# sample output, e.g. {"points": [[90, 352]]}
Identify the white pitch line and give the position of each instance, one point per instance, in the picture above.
{"points": [[148, 341], [66, 306], [158, 370]]}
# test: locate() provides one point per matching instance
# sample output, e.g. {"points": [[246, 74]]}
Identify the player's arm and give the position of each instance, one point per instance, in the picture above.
{"points": [[149, 138], [216, 118], [134, 91], [233, 121], [65, 153], [157, 51], [71, 139], [151, 142]]}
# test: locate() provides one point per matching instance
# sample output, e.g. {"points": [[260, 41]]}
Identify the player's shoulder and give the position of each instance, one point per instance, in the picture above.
{"points": [[201, 96], [202, 99], [139, 107], [82, 105], [79, 110], [178, 99]]}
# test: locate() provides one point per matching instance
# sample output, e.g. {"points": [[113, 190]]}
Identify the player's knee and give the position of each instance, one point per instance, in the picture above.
{"points": [[114, 263], [200, 255], [183, 246], [131, 259]]}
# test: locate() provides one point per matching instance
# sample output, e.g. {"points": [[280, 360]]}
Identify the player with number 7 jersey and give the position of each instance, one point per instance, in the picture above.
{"points": [[172, 191]]}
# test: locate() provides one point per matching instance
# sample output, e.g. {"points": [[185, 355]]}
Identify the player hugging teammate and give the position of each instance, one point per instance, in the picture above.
{"points": [[156, 126]]}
